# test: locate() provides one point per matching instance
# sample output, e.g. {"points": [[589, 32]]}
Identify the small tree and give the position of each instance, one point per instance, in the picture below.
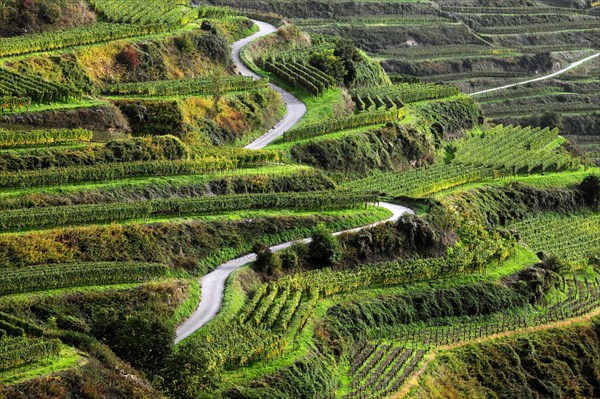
{"points": [[324, 250], [552, 120], [266, 262], [327, 62]]}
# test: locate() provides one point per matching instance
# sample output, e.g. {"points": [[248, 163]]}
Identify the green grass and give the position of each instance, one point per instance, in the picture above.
{"points": [[320, 108], [190, 304], [83, 103], [68, 358]]}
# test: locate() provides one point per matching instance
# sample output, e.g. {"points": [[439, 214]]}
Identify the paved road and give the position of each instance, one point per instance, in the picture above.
{"points": [[213, 284], [295, 108], [554, 74]]}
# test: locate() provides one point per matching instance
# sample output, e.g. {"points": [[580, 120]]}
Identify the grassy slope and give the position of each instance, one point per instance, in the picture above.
{"points": [[68, 358]]}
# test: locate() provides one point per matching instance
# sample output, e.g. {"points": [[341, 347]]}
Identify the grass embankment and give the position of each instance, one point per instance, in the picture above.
{"points": [[67, 358]]}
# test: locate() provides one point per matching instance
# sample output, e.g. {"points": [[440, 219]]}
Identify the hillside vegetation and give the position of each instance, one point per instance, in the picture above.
{"points": [[198, 204]]}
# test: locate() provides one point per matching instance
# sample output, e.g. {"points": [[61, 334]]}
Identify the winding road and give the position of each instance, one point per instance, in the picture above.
{"points": [[213, 284], [295, 108]]}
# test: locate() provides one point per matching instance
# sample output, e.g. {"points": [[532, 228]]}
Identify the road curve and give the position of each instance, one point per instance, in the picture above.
{"points": [[557, 73], [295, 108], [213, 284]]}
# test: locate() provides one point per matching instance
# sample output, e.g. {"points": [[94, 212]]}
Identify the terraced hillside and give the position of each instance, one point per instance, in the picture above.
{"points": [[475, 46], [196, 203]]}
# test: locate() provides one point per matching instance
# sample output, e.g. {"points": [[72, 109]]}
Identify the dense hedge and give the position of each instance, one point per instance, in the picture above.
{"points": [[497, 205], [409, 236], [357, 317], [322, 9], [392, 148], [150, 117], [450, 118], [40, 16], [587, 124]]}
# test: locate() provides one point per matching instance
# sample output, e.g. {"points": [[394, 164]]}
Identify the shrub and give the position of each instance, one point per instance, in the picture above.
{"points": [[324, 250], [215, 46], [185, 44], [267, 262], [129, 58]]}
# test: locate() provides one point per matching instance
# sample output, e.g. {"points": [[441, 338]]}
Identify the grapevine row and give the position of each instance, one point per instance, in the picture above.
{"points": [[120, 170], [20, 219], [15, 352], [299, 73], [98, 33], [12, 138], [398, 95], [189, 86], [573, 237], [170, 12], [45, 277], [13, 84]]}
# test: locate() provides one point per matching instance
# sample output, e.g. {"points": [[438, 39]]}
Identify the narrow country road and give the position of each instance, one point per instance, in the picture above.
{"points": [[295, 108], [213, 284], [552, 75]]}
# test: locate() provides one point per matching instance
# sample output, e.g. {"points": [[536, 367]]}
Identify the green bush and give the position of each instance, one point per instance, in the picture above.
{"points": [[324, 250]]}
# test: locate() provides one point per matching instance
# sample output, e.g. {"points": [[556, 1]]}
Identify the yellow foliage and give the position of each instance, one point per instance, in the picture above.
{"points": [[99, 62]]}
